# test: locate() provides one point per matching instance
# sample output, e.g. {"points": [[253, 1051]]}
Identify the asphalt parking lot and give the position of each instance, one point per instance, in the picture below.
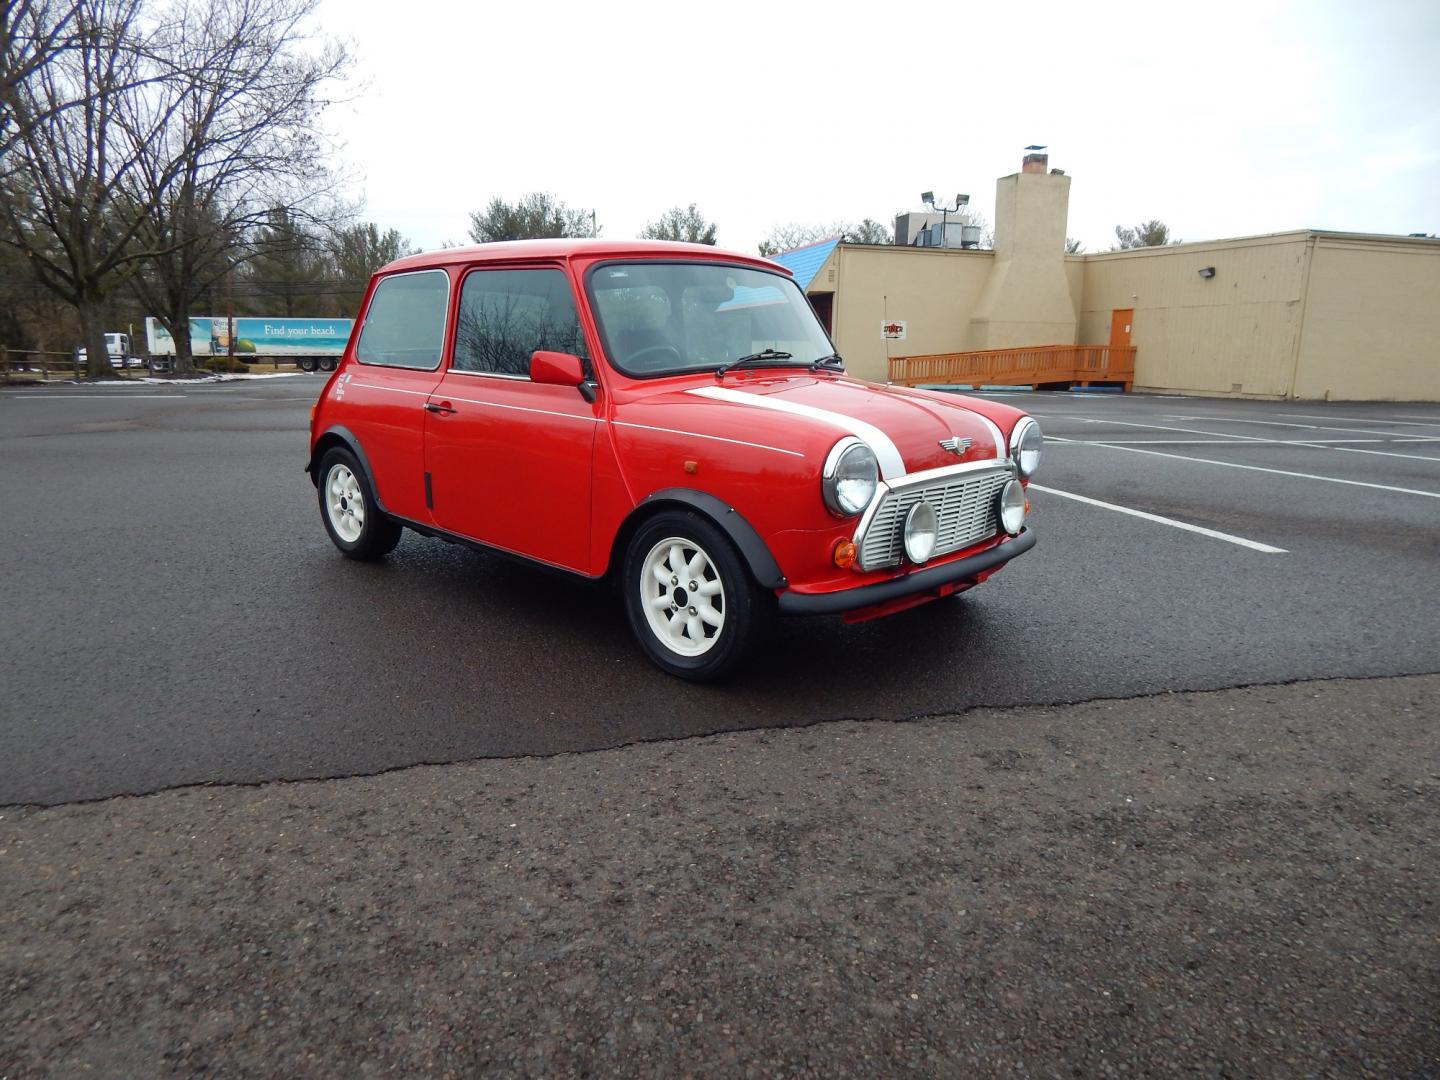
{"points": [[1072, 847], [176, 614]]}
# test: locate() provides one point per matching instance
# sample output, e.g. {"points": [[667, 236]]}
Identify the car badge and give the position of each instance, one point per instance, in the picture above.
{"points": [[957, 445]]}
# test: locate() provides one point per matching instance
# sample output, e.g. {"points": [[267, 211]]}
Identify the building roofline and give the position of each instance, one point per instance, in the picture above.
{"points": [[1289, 236]]}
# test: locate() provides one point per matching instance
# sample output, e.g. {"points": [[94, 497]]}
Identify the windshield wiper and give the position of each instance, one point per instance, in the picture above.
{"points": [[833, 362], [763, 358]]}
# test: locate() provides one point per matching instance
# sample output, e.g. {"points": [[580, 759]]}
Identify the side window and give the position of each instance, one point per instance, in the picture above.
{"points": [[405, 323], [505, 315]]}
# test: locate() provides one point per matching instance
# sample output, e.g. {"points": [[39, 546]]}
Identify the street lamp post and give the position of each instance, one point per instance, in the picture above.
{"points": [[928, 198]]}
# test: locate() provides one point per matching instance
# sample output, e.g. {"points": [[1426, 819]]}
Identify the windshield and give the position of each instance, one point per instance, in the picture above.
{"points": [[662, 318]]}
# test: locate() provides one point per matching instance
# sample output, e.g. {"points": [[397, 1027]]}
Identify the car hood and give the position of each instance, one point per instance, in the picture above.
{"points": [[904, 427]]}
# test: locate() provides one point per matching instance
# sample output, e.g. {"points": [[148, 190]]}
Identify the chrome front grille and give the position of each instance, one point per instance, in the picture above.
{"points": [[964, 504]]}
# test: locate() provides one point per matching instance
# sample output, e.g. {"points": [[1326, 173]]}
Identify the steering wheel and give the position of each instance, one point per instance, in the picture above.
{"points": [[633, 360]]}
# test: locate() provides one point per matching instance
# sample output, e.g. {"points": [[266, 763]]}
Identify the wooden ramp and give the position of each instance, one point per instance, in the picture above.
{"points": [[1032, 366]]}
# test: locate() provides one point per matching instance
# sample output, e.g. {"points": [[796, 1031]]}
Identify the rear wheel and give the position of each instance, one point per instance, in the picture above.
{"points": [[357, 526], [307, 363], [327, 363], [692, 603]]}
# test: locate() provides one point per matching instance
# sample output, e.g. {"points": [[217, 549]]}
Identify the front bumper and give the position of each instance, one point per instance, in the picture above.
{"points": [[920, 581]]}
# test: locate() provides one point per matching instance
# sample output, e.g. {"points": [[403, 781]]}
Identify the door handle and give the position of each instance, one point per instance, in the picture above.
{"points": [[436, 407]]}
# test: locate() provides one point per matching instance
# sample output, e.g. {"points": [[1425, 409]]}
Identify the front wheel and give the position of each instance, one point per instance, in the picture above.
{"points": [[356, 524], [692, 603]]}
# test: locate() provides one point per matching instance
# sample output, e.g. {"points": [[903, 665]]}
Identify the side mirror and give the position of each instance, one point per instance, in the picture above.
{"points": [[556, 368]]}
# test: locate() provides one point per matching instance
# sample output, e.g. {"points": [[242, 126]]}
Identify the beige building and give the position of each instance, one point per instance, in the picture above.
{"points": [[1309, 314]]}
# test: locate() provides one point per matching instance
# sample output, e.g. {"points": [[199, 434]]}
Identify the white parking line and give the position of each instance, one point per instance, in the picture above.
{"points": [[45, 395], [1379, 453], [1253, 468], [1357, 420], [1229, 538], [1230, 441]]}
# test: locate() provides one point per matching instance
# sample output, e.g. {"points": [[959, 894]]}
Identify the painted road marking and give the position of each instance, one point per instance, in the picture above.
{"points": [[1229, 538], [47, 396], [1229, 441], [1258, 468], [1379, 453], [1393, 435], [1360, 419]]}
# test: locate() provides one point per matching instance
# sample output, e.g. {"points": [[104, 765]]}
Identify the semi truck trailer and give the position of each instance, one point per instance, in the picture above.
{"points": [[313, 344]]}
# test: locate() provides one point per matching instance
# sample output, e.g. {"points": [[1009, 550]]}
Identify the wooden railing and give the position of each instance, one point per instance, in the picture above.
{"points": [[1030, 366]]}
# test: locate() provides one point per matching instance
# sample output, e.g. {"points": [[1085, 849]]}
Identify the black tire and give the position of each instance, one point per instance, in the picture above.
{"points": [[307, 363], [744, 610], [354, 520], [327, 363]]}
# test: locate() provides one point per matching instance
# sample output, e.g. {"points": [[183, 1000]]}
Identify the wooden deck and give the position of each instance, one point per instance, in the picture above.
{"points": [[1075, 364]]}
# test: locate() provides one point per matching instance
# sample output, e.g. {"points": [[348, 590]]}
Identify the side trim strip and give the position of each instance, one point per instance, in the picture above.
{"points": [[518, 408], [892, 464], [697, 435]]}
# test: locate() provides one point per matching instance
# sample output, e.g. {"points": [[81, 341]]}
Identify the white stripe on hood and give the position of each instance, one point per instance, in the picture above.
{"points": [[892, 465]]}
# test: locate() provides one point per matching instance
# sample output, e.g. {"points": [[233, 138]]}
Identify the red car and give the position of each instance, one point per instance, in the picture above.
{"points": [[668, 415]]}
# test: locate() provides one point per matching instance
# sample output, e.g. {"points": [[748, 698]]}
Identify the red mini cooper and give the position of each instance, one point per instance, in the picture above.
{"points": [[669, 415]]}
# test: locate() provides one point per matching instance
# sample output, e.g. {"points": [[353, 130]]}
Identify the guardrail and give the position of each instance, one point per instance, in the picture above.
{"points": [[23, 363], [26, 364], [1032, 366]]}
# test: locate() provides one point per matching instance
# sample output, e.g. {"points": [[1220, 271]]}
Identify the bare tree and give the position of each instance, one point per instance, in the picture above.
{"points": [[1073, 246], [32, 33], [681, 223], [244, 98], [63, 200]]}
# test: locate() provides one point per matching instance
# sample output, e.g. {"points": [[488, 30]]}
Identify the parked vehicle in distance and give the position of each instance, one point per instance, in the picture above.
{"points": [[117, 347], [672, 417], [312, 344]]}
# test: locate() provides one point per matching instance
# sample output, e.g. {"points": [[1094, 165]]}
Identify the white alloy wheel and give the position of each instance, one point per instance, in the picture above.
{"points": [[345, 503], [682, 596]]}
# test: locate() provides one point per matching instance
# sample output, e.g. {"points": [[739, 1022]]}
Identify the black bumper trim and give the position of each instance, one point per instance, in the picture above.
{"points": [[835, 603]]}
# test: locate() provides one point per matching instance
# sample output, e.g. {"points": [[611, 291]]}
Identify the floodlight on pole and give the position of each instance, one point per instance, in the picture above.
{"points": [[945, 211]]}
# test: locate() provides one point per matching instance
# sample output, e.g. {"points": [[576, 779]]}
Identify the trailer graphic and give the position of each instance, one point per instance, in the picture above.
{"points": [[311, 343]]}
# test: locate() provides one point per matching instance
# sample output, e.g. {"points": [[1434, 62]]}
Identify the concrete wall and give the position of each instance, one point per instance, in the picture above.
{"points": [[1372, 321], [1237, 333], [934, 290], [1027, 299]]}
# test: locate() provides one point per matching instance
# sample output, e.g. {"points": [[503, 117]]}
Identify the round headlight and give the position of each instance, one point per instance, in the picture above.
{"points": [[850, 477], [1012, 507], [921, 526], [1026, 442]]}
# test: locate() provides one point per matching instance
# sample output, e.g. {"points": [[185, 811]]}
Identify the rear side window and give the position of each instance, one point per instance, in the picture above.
{"points": [[505, 315], [405, 324]]}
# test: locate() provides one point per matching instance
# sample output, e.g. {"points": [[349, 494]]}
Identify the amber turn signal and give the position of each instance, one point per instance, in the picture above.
{"points": [[845, 554]]}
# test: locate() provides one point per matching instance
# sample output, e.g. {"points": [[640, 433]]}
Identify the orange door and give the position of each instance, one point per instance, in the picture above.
{"points": [[1120, 322]]}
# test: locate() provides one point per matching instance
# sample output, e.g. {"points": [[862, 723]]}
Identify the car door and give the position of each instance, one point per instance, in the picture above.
{"points": [[384, 392], [510, 459]]}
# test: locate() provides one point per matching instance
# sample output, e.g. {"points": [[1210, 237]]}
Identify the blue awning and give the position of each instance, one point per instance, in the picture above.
{"points": [[805, 262]]}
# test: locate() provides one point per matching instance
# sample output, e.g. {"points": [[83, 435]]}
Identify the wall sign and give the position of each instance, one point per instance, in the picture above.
{"points": [[893, 329]]}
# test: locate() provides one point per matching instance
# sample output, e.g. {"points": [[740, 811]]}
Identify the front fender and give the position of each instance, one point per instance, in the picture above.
{"points": [[338, 435], [741, 533]]}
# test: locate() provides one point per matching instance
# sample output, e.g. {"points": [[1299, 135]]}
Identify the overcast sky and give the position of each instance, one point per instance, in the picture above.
{"points": [[1219, 118]]}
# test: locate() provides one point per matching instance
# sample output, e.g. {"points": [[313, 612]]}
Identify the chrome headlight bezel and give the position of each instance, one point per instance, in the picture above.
{"points": [[922, 530], [1027, 442], [1010, 507], [847, 457]]}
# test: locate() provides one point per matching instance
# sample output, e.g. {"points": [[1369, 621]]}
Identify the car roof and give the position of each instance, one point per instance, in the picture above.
{"points": [[572, 248]]}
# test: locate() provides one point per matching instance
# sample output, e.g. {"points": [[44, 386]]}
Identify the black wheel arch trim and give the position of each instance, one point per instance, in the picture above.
{"points": [[741, 533], [347, 437], [836, 603]]}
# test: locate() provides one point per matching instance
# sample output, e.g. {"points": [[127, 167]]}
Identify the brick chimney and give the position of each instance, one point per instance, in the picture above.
{"points": [[1035, 163]]}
